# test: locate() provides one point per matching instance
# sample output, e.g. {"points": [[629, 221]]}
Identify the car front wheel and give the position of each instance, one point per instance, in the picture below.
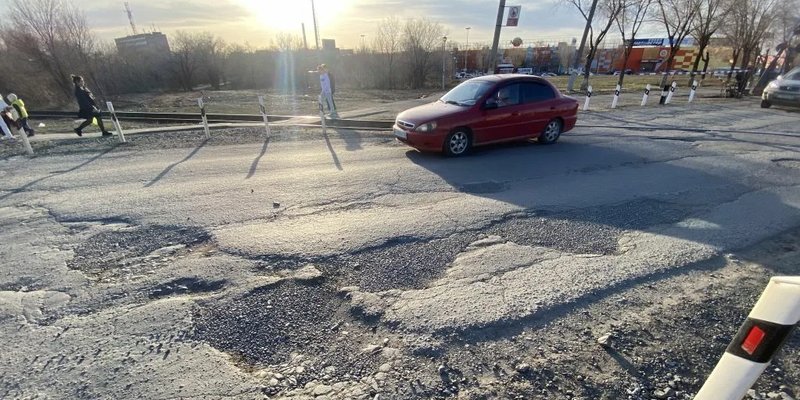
{"points": [[551, 132], [765, 104], [457, 143]]}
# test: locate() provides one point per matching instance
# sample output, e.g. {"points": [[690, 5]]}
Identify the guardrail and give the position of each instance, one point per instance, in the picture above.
{"points": [[222, 118]]}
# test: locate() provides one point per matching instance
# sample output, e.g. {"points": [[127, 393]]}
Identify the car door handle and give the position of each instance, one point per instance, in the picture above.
{"points": [[552, 108], [515, 114]]}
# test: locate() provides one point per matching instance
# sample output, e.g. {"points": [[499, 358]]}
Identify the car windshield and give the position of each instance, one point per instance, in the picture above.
{"points": [[792, 76], [467, 93]]}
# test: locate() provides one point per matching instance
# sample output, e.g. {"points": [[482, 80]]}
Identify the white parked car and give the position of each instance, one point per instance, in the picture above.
{"points": [[784, 91]]}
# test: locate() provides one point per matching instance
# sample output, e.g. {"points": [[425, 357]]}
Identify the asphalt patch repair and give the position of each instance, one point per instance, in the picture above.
{"points": [[267, 325]]}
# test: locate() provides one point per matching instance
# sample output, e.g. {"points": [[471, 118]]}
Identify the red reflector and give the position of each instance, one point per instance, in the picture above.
{"points": [[752, 340]]}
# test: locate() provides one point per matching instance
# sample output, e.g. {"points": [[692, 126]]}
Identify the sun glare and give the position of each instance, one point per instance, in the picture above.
{"points": [[285, 15]]}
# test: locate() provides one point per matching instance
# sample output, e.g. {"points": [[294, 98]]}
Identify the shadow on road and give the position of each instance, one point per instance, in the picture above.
{"points": [[254, 165], [333, 152], [169, 168], [60, 172]]}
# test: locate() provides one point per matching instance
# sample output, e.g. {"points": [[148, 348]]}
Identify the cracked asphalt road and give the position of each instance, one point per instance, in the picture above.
{"points": [[174, 267]]}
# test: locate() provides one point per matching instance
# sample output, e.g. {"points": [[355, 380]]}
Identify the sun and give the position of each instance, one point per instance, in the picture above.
{"points": [[284, 15]]}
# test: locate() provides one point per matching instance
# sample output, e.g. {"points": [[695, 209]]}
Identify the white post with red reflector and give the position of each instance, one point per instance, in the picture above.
{"points": [[671, 92], [322, 116], [646, 95], [769, 324], [693, 91], [588, 97], [263, 107], [203, 117], [616, 97]]}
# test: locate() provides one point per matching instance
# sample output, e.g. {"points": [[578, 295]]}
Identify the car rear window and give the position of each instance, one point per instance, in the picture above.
{"points": [[534, 91]]}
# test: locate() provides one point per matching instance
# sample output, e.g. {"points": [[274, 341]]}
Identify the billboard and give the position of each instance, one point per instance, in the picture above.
{"points": [[513, 15], [658, 42]]}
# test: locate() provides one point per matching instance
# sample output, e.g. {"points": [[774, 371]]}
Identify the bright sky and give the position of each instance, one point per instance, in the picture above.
{"points": [[256, 21]]}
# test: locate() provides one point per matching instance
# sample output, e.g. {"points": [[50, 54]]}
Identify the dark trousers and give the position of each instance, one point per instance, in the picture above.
{"points": [[90, 115], [23, 123]]}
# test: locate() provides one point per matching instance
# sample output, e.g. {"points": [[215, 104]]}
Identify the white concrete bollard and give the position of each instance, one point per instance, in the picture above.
{"points": [[769, 324], [263, 108], [616, 97], [671, 92], [116, 122], [25, 142], [203, 117], [646, 95], [693, 91], [588, 97], [322, 116]]}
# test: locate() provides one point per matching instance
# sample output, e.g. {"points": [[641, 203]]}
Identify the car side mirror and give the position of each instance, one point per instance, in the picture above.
{"points": [[780, 77], [490, 104]]}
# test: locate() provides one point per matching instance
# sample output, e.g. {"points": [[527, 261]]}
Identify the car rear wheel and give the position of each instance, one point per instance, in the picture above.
{"points": [[551, 132], [765, 104], [457, 143]]}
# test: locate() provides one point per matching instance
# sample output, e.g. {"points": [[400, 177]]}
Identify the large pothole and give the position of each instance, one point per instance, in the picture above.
{"points": [[127, 251]]}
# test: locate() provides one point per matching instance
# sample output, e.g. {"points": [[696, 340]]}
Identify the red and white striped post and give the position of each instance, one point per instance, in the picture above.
{"points": [[646, 95], [588, 97], [769, 324], [263, 108]]}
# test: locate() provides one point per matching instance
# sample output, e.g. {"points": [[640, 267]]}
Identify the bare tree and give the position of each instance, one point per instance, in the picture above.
{"points": [[750, 21], [186, 58], [607, 12], [55, 35], [285, 41], [677, 17], [388, 42], [212, 54], [629, 21], [711, 15], [421, 38]]}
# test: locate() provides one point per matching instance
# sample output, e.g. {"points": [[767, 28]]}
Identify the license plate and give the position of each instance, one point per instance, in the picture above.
{"points": [[400, 134]]}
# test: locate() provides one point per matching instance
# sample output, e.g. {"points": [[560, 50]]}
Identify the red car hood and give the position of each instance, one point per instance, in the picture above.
{"points": [[429, 112]]}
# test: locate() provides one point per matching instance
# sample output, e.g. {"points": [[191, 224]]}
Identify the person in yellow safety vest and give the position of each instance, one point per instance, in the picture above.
{"points": [[5, 120], [19, 105]]}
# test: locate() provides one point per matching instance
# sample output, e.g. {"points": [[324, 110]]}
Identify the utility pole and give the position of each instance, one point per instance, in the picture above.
{"points": [[444, 59], [466, 49], [579, 51], [496, 41], [316, 28], [305, 42]]}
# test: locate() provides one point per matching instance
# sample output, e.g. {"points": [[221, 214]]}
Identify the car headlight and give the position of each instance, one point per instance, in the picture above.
{"points": [[425, 128]]}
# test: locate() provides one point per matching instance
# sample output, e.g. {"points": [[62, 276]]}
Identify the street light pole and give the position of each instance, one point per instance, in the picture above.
{"points": [[466, 49], [579, 51], [496, 41], [316, 27], [444, 59]]}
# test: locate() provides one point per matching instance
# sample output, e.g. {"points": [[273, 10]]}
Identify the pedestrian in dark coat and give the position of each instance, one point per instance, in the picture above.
{"points": [[87, 107]]}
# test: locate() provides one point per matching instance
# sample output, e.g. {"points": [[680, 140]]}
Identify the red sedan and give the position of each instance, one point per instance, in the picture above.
{"points": [[488, 109]]}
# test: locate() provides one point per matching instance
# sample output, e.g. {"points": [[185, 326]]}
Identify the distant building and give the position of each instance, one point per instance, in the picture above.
{"points": [[152, 44]]}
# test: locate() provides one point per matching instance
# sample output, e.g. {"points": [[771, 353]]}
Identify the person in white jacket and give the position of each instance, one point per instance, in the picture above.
{"points": [[5, 108], [327, 88]]}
